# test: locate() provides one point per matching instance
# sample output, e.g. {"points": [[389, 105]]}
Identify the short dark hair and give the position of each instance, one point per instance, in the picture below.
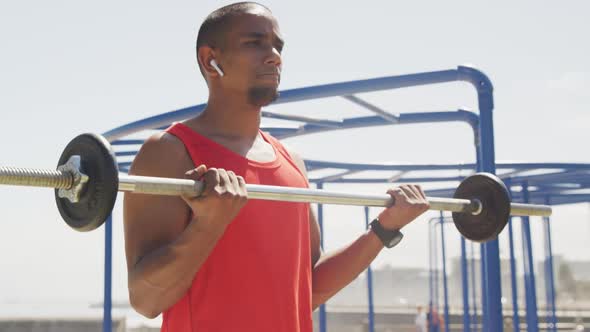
{"points": [[214, 27]]}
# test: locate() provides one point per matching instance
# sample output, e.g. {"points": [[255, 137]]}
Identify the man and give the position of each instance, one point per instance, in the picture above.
{"points": [[420, 320], [220, 262], [435, 321]]}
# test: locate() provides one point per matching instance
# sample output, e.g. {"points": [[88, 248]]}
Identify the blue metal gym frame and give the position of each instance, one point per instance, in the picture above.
{"points": [[482, 126], [568, 185]]}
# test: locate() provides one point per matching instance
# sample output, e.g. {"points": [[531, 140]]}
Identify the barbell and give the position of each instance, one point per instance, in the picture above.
{"points": [[87, 181]]}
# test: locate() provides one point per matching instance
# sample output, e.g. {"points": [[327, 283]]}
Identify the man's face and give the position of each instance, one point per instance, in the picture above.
{"points": [[252, 57]]}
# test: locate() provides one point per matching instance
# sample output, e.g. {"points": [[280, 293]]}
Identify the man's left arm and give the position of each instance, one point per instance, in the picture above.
{"points": [[334, 270]]}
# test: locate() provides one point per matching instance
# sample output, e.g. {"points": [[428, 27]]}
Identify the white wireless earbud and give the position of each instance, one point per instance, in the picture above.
{"points": [[214, 64]]}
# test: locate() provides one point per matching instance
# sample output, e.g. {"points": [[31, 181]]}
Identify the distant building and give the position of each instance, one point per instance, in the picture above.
{"points": [[408, 287], [392, 287]]}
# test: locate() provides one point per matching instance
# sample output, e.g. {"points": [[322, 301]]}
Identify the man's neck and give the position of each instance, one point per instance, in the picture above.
{"points": [[232, 118]]}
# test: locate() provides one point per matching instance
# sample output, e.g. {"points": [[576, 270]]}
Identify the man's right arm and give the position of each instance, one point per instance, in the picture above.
{"points": [[164, 248]]}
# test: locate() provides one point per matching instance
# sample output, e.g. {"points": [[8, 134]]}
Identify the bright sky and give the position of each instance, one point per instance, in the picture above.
{"points": [[68, 67]]}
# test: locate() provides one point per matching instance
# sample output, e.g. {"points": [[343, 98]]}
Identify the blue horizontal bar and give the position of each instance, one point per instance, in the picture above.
{"points": [[319, 164], [386, 180], [156, 121], [370, 121], [368, 85], [128, 142], [462, 73], [125, 153]]}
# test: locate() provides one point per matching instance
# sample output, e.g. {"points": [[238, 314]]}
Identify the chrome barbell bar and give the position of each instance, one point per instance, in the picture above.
{"points": [[67, 179]]}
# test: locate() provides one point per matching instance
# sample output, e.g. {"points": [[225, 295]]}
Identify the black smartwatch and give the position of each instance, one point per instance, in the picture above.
{"points": [[389, 238]]}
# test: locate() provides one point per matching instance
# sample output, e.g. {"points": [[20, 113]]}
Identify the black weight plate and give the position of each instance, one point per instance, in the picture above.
{"points": [[495, 200], [98, 197]]}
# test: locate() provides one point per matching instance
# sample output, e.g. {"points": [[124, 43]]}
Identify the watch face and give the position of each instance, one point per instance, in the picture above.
{"points": [[395, 240]]}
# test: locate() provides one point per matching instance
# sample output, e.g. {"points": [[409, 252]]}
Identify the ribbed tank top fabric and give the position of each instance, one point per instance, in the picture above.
{"points": [[258, 276]]}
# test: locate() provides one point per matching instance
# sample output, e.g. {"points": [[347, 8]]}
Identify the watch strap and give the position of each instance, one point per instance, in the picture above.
{"points": [[389, 238]]}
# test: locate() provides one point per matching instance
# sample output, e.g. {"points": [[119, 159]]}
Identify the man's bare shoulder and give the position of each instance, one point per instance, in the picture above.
{"points": [[297, 159], [163, 155]]}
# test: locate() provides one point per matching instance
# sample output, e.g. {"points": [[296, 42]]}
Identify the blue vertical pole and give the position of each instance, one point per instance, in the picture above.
{"points": [[430, 271], [515, 317], [493, 321], [108, 257], [484, 289], [444, 264], [473, 289], [435, 261], [323, 321], [532, 320], [465, 281], [482, 256], [370, 283], [549, 278]]}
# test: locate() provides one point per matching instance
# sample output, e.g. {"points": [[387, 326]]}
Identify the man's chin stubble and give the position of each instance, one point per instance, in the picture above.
{"points": [[262, 96]]}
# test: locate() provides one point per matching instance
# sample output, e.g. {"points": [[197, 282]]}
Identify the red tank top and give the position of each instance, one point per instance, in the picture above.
{"points": [[258, 276]]}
